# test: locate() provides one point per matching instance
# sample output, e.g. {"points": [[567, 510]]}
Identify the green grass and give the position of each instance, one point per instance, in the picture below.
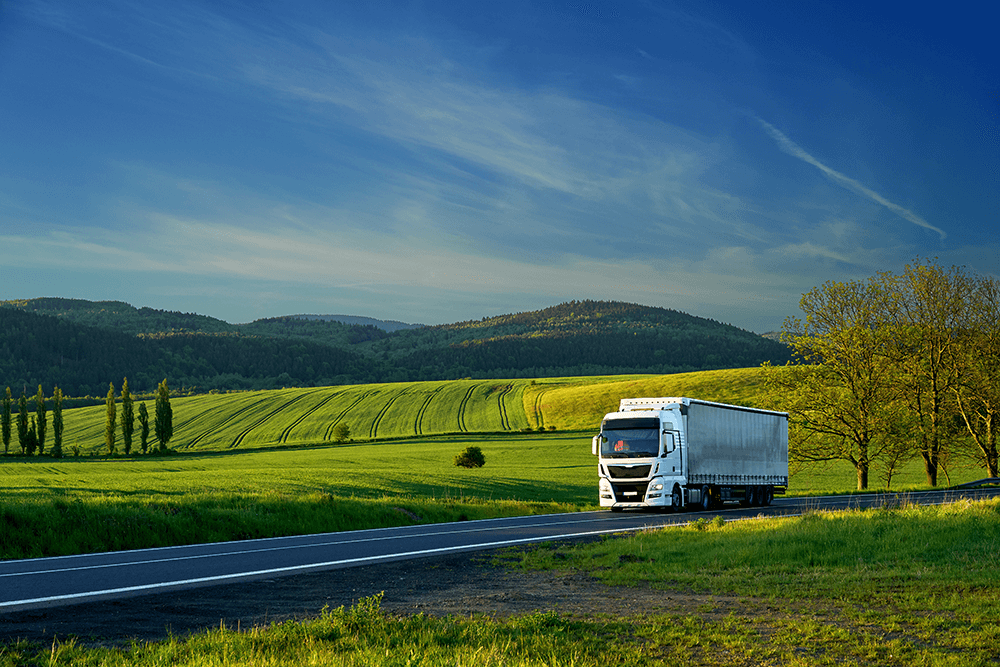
{"points": [[914, 586], [75, 505]]}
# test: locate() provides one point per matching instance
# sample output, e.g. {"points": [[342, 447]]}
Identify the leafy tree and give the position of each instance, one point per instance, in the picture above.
{"points": [[128, 418], [163, 421], [930, 321], [839, 392], [341, 432], [5, 420], [41, 419], [110, 420], [977, 392], [57, 423], [143, 427], [22, 423], [471, 457]]}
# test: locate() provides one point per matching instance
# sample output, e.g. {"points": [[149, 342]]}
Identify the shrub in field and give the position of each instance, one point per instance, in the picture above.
{"points": [[341, 432], [472, 457]]}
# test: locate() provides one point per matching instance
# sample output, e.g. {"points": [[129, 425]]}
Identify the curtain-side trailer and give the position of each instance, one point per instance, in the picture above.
{"points": [[675, 452]]}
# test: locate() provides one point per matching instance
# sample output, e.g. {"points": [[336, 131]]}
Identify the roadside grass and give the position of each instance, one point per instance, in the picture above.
{"points": [[60, 507], [907, 586]]}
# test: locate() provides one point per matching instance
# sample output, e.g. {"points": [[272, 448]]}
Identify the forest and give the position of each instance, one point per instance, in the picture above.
{"points": [[80, 346]]}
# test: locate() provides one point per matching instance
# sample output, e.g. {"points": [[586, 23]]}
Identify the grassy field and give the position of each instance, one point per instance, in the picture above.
{"points": [[82, 504], [249, 420], [913, 586]]}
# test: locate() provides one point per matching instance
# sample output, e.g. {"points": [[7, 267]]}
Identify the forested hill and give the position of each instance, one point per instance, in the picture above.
{"points": [[83, 345]]}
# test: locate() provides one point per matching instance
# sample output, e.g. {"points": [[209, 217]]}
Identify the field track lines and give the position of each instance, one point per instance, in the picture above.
{"points": [[329, 429], [228, 419], [301, 418], [373, 431], [239, 439], [418, 421], [539, 419], [461, 408], [504, 421]]}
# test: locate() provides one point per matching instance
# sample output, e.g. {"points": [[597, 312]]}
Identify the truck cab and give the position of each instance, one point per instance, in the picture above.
{"points": [[641, 460]]}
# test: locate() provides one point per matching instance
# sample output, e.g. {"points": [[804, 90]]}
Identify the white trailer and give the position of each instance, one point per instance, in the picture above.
{"points": [[675, 452]]}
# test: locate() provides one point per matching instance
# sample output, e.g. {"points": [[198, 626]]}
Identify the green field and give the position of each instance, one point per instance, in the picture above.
{"points": [[255, 419], [84, 504]]}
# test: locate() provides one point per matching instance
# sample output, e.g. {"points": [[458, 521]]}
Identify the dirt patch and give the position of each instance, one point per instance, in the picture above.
{"points": [[463, 585]]}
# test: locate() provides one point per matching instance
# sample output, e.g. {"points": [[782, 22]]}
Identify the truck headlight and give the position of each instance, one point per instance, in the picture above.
{"points": [[656, 487]]}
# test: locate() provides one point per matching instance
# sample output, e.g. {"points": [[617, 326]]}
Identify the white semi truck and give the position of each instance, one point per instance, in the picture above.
{"points": [[678, 452]]}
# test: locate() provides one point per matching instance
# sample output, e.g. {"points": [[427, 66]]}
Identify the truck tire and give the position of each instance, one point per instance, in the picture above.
{"points": [[676, 499], [750, 497], [767, 495], [706, 498]]}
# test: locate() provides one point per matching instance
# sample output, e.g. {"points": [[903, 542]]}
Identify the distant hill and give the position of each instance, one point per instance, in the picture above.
{"points": [[384, 325], [83, 345]]}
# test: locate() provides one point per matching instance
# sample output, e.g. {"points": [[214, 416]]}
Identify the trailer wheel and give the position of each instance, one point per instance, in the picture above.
{"points": [[706, 498], [749, 496], [767, 495], [676, 499]]}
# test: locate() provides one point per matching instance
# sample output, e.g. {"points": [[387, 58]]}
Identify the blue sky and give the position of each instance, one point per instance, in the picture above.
{"points": [[438, 162]]}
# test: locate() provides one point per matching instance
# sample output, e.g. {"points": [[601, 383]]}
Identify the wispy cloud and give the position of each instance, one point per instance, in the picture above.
{"points": [[793, 149]]}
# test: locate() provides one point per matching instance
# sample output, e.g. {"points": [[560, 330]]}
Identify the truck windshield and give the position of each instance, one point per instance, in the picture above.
{"points": [[630, 438]]}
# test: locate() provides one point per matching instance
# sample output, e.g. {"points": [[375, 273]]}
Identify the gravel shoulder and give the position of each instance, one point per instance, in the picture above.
{"points": [[461, 585]]}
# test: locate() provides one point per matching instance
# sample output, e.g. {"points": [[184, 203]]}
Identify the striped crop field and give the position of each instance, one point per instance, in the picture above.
{"points": [[260, 419]]}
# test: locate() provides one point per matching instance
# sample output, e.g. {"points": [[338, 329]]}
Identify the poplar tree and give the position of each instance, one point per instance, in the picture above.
{"points": [[41, 419], [22, 423], [143, 427], [109, 424], [128, 418], [57, 423], [6, 421], [31, 438], [163, 423]]}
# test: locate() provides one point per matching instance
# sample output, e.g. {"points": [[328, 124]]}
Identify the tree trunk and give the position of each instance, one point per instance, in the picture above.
{"points": [[862, 469], [930, 467]]}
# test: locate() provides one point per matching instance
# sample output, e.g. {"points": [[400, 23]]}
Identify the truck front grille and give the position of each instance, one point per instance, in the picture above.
{"points": [[628, 472]]}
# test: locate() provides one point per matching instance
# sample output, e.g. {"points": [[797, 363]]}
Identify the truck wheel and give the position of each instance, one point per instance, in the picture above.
{"points": [[706, 498], [767, 495], [749, 496], [676, 499]]}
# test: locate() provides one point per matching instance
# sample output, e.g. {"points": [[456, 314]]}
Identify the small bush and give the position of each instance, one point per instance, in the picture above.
{"points": [[472, 457]]}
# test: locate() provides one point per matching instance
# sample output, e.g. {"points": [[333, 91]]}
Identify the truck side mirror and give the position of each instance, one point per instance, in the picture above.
{"points": [[593, 445], [668, 443]]}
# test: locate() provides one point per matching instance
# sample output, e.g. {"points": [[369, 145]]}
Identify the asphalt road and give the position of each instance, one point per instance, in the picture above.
{"points": [[47, 582]]}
